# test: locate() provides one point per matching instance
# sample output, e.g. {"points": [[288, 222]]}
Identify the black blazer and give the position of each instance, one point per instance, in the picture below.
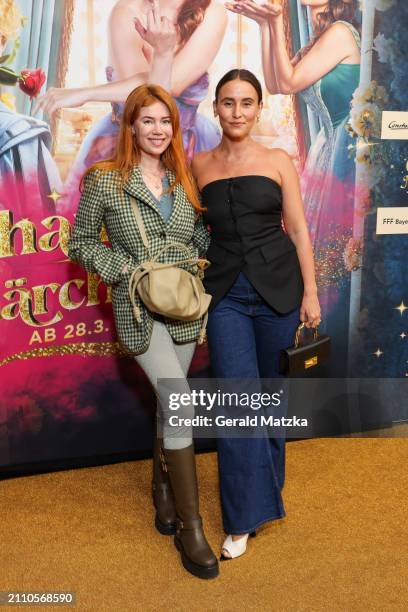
{"points": [[244, 214]]}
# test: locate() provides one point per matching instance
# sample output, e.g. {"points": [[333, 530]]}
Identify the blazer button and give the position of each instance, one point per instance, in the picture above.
{"points": [[162, 235]]}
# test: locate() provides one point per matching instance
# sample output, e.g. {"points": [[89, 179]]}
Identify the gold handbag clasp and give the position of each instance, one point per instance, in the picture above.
{"points": [[203, 264]]}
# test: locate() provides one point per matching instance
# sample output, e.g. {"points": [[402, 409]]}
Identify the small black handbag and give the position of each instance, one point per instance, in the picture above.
{"points": [[299, 358]]}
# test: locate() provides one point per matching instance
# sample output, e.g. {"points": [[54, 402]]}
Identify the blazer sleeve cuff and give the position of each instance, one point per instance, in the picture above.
{"points": [[111, 272]]}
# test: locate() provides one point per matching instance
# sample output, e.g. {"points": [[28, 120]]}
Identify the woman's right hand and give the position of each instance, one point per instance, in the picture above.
{"points": [[260, 13], [56, 98], [159, 32], [310, 313]]}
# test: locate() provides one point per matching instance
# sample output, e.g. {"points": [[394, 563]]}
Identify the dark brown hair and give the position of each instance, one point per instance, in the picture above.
{"points": [[337, 10], [242, 75], [344, 10]]}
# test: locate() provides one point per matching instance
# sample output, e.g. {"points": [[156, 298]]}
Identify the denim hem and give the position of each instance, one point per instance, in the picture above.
{"points": [[271, 518]]}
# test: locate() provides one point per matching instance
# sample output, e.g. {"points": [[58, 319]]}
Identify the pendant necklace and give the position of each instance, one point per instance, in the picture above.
{"points": [[155, 177]]}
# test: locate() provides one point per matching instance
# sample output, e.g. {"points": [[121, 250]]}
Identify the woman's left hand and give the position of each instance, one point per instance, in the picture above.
{"points": [[310, 310], [160, 33]]}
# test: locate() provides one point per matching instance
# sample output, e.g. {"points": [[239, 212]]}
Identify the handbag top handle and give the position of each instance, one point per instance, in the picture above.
{"points": [[298, 331]]}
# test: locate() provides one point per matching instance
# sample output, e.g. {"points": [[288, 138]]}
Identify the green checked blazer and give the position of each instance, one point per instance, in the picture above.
{"points": [[105, 200]]}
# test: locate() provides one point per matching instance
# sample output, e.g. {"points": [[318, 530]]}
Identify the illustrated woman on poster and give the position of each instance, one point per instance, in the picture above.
{"points": [[141, 50], [28, 173], [325, 73]]}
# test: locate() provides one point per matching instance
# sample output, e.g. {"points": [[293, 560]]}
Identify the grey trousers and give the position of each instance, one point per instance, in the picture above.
{"points": [[165, 359]]}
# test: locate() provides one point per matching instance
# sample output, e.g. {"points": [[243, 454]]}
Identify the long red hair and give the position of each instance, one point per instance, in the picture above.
{"points": [[127, 153], [189, 17]]}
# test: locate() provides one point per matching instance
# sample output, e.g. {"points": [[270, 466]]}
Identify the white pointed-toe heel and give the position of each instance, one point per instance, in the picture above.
{"points": [[235, 548]]}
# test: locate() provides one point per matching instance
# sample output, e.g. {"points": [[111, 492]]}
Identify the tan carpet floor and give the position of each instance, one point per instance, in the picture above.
{"points": [[342, 547]]}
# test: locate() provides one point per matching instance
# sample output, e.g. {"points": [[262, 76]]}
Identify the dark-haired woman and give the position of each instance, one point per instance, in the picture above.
{"points": [[142, 48], [149, 170], [325, 73], [262, 283]]}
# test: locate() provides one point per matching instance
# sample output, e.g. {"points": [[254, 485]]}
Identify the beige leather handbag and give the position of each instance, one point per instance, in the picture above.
{"points": [[167, 289]]}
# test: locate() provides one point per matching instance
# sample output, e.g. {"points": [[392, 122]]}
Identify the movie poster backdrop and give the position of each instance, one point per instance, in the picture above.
{"points": [[68, 390]]}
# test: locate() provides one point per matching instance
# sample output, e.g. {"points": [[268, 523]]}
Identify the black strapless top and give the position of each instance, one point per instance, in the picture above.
{"points": [[244, 213]]}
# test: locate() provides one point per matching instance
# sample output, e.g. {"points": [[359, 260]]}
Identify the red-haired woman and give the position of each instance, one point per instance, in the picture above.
{"points": [[150, 166], [171, 43]]}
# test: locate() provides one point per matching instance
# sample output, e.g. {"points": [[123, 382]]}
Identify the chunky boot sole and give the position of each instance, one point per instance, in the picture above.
{"points": [[197, 570], [165, 529]]}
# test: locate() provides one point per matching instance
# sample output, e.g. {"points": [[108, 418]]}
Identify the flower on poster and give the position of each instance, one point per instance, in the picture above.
{"points": [[8, 100], [385, 47], [366, 107]]}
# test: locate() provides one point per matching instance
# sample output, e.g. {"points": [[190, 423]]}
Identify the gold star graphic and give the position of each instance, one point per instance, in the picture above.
{"points": [[402, 308], [378, 353], [54, 196], [403, 335]]}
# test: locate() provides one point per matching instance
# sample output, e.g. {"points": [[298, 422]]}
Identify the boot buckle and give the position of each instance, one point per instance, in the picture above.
{"points": [[190, 524], [163, 460]]}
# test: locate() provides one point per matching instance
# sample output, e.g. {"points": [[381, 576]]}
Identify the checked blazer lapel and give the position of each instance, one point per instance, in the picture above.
{"points": [[136, 187]]}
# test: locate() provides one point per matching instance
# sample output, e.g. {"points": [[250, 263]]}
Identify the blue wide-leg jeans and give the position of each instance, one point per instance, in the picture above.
{"points": [[245, 338]]}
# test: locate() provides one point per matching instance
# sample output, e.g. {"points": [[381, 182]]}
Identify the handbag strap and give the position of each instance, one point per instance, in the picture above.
{"points": [[177, 245], [140, 224]]}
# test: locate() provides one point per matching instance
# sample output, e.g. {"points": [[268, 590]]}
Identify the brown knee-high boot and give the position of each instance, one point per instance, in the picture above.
{"points": [[196, 554], [165, 520]]}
